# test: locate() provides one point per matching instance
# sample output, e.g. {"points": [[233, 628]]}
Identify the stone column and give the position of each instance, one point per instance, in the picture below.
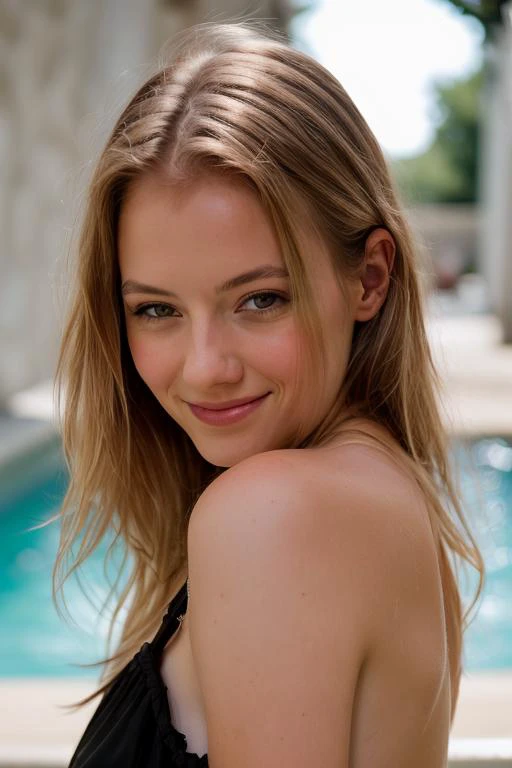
{"points": [[496, 182]]}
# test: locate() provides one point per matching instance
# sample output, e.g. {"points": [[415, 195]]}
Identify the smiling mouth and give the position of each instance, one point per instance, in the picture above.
{"points": [[222, 414], [228, 404]]}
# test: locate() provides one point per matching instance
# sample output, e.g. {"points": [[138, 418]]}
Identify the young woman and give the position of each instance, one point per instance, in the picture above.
{"points": [[250, 407]]}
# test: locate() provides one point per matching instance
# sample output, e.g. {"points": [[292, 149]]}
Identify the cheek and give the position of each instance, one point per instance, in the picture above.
{"points": [[282, 358], [156, 366], [276, 354]]}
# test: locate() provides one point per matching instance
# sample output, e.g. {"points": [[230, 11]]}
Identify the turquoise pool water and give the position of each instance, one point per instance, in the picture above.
{"points": [[489, 509], [35, 642]]}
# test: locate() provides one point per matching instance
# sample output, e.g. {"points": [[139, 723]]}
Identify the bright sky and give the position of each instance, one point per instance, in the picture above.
{"points": [[387, 54]]}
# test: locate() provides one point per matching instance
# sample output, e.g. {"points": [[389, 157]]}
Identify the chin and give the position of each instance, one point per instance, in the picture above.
{"points": [[227, 458], [226, 453]]}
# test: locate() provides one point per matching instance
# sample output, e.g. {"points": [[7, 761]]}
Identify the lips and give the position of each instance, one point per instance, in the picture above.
{"points": [[229, 412], [228, 404]]}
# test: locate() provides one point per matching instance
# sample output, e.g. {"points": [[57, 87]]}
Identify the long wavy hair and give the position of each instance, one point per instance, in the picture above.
{"points": [[232, 99]]}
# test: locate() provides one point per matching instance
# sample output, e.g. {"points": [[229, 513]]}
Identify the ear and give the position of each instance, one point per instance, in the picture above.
{"points": [[379, 257]]}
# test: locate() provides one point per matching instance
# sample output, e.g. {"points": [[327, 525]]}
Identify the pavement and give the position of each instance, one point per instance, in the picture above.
{"points": [[476, 369]]}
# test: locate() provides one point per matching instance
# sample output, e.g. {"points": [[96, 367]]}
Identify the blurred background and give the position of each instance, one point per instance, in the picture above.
{"points": [[433, 78]]}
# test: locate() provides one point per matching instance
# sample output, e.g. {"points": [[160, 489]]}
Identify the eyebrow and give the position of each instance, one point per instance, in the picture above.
{"points": [[260, 273]]}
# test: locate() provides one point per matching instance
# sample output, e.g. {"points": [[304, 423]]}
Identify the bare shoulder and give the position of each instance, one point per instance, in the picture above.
{"points": [[274, 488], [296, 561], [273, 470], [352, 492]]}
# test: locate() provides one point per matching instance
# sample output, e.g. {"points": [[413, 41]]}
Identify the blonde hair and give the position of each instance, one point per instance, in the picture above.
{"points": [[233, 100]]}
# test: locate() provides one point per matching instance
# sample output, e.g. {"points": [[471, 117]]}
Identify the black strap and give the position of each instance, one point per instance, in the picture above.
{"points": [[170, 622]]}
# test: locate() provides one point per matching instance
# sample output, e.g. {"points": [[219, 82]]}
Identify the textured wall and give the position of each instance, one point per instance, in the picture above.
{"points": [[58, 61]]}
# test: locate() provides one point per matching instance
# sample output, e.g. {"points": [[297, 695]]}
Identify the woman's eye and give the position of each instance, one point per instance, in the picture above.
{"points": [[155, 311], [264, 301]]}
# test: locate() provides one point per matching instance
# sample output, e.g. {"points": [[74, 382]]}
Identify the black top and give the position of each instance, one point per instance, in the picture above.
{"points": [[132, 727]]}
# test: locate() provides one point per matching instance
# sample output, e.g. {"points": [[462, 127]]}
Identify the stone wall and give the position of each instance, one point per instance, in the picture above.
{"points": [[59, 60]]}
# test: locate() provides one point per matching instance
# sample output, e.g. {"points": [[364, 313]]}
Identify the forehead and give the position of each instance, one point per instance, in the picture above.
{"points": [[213, 219]]}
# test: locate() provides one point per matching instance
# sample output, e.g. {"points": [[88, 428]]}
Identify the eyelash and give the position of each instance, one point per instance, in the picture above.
{"points": [[143, 308]]}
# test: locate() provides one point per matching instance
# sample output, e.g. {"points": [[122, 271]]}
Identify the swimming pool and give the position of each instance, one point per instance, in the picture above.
{"points": [[35, 642], [488, 642]]}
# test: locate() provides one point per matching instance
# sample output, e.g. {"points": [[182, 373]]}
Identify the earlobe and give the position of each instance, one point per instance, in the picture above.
{"points": [[375, 273]]}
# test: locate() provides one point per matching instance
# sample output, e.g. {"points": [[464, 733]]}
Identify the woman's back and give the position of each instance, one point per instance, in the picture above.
{"points": [[394, 707]]}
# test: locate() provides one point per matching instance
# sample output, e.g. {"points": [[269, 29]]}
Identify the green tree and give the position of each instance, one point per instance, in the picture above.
{"points": [[447, 171], [488, 12]]}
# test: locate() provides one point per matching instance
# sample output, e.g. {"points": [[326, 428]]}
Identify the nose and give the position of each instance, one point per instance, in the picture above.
{"points": [[212, 358]]}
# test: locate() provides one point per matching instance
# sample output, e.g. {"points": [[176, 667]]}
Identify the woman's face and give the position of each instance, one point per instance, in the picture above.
{"points": [[210, 322]]}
